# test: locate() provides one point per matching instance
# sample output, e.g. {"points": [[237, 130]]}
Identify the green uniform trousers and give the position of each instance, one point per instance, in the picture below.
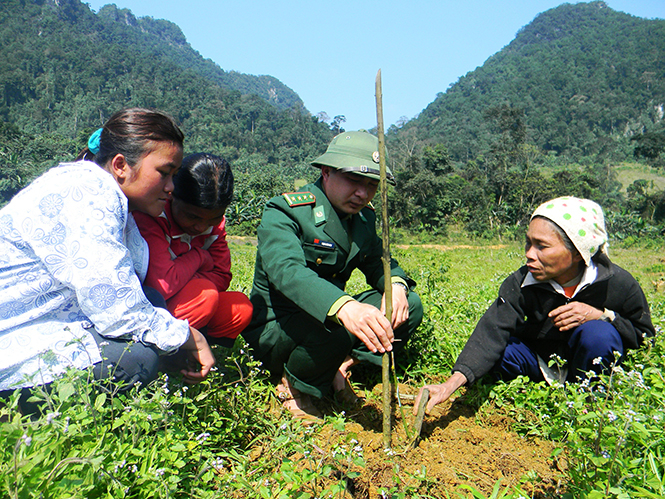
{"points": [[310, 353]]}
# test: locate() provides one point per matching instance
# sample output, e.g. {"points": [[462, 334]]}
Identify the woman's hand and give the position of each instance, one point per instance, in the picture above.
{"points": [[440, 393], [573, 314], [200, 357]]}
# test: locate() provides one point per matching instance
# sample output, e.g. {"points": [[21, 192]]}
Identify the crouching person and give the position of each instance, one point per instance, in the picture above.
{"points": [[306, 329], [568, 300], [190, 261], [73, 259]]}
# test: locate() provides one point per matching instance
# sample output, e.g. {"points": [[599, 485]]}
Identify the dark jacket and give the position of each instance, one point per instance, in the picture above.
{"points": [[522, 312]]}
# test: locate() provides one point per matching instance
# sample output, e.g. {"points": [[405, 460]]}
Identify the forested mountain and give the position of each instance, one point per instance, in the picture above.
{"points": [[64, 70], [60, 47], [579, 89], [584, 77], [177, 49]]}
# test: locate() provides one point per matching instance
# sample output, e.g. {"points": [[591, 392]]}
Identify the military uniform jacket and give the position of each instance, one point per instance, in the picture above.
{"points": [[306, 255]]}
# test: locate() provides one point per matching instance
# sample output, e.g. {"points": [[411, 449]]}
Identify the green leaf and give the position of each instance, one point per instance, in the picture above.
{"points": [[66, 391], [99, 401]]}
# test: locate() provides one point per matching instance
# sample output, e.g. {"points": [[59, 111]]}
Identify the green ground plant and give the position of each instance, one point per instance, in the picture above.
{"points": [[226, 438]]}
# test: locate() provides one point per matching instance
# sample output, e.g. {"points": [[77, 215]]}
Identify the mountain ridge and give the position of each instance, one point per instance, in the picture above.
{"points": [[584, 74], [267, 87], [52, 30]]}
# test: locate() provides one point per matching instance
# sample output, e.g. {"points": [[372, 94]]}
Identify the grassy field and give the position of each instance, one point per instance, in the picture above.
{"points": [[227, 438], [630, 172], [627, 173]]}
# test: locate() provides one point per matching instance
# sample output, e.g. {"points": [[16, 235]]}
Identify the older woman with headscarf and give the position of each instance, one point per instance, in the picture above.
{"points": [[568, 300]]}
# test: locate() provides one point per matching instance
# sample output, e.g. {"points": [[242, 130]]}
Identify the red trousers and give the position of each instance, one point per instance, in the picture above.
{"points": [[224, 313]]}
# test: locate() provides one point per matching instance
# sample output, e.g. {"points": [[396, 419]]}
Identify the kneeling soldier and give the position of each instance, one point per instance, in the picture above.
{"points": [[305, 327]]}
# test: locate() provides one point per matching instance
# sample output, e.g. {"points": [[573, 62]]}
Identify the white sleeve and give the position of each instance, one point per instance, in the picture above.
{"points": [[79, 235]]}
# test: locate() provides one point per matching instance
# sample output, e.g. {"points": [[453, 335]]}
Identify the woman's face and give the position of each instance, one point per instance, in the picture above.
{"points": [[149, 184], [194, 220], [547, 257]]}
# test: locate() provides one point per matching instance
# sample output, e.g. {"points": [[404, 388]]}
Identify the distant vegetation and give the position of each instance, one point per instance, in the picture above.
{"points": [[64, 70], [579, 91], [584, 79]]}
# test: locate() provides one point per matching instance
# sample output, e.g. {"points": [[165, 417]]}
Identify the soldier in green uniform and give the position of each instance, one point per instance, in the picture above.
{"points": [[305, 327]]}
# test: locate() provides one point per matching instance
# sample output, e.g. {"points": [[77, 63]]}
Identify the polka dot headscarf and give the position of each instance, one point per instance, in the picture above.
{"points": [[581, 219]]}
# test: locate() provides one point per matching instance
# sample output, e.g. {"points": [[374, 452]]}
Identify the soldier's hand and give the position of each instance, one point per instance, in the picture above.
{"points": [[400, 306], [368, 324]]}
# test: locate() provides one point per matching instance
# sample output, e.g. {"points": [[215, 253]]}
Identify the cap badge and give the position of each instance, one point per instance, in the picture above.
{"points": [[375, 156]]}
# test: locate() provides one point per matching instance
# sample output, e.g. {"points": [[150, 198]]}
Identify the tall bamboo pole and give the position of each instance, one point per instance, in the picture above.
{"points": [[387, 387]]}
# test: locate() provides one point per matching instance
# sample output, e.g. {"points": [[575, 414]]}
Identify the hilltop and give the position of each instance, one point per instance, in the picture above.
{"points": [[64, 70]]}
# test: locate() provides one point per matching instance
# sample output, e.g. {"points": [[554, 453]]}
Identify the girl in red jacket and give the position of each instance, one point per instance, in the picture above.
{"points": [[190, 261]]}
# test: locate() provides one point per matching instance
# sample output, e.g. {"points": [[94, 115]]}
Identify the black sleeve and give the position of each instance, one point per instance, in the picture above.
{"points": [[490, 337], [633, 318]]}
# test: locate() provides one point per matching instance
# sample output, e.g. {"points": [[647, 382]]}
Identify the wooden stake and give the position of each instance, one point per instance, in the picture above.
{"points": [[419, 417], [387, 386]]}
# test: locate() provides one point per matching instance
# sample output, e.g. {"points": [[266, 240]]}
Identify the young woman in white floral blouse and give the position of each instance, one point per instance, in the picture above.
{"points": [[72, 261]]}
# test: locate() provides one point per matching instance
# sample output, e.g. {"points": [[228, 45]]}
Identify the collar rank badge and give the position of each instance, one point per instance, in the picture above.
{"points": [[319, 215]]}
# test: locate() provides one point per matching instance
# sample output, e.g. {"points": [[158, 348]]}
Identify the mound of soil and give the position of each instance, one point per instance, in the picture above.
{"points": [[454, 452]]}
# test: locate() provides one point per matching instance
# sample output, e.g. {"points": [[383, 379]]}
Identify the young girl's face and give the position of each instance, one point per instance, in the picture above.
{"points": [[194, 220]]}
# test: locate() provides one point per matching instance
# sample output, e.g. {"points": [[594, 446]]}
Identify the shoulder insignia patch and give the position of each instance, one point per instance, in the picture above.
{"points": [[299, 198]]}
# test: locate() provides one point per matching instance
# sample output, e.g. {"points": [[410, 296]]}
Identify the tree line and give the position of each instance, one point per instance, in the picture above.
{"points": [[495, 193]]}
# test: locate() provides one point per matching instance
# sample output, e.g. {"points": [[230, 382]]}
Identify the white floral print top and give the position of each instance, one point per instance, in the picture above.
{"points": [[70, 253]]}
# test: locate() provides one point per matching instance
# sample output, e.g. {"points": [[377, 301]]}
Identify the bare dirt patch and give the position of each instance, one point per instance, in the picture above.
{"points": [[454, 450], [441, 247], [242, 240]]}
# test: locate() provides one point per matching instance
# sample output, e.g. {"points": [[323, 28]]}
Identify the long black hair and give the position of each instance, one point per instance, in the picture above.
{"points": [[129, 132], [205, 181]]}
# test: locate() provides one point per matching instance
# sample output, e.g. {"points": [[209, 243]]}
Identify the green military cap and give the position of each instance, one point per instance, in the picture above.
{"points": [[354, 152]]}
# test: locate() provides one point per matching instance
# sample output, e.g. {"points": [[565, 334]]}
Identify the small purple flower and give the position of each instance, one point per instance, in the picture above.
{"points": [[51, 416], [26, 440], [203, 437], [218, 464]]}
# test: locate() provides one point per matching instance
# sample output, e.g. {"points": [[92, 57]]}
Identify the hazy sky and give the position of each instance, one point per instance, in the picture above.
{"points": [[329, 52]]}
